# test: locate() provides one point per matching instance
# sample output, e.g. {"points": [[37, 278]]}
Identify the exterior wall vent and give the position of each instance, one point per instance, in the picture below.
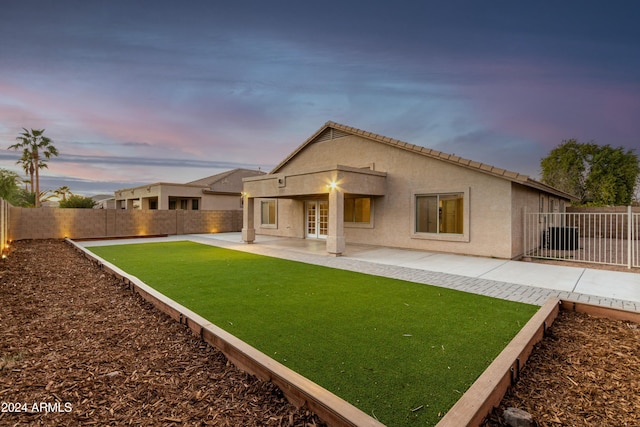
{"points": [[329, 134], [338, 134]]}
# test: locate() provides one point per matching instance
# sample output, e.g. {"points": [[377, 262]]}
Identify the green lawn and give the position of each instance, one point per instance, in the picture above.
{"points": [[387, 346]]}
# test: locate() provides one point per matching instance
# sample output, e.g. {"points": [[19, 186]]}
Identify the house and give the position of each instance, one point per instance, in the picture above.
{"points": [[104, 201], [347, 185], [217, 192]]}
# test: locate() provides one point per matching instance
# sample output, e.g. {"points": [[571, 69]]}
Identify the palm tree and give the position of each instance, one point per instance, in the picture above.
{"points": [[34, 144], [27, 166], [63, 192]]}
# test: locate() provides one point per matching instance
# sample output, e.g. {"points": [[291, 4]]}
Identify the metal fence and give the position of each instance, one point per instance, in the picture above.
{"points": [[593, 237]]}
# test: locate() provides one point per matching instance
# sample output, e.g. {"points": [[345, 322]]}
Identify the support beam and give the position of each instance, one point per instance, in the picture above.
{"points": [[248, 230], [163, 201], [335, 240]]}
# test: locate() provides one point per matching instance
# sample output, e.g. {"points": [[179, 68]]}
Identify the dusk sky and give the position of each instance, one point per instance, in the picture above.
{"points": [[135, 92]]}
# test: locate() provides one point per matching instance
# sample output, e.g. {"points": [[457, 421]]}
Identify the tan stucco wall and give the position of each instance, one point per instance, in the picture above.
{"points": [[290, 219], [488, 198], [523, 198], [47, 223], [533, 201], [220, 202], [163, 191]]}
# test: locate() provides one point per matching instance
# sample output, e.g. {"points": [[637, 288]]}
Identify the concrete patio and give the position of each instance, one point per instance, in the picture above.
{"points": [[526, 282]]}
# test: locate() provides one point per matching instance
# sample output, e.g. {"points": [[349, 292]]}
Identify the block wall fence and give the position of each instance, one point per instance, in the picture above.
{"points": [[55, 223], [611, 222]]}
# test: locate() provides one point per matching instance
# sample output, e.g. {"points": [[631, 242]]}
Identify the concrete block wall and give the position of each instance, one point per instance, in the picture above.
{"points": [[52, 223], [608, 222]]}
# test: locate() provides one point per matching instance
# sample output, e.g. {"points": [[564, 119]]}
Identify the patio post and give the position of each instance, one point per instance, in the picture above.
{"points": [[248, 230], [335, 238]]}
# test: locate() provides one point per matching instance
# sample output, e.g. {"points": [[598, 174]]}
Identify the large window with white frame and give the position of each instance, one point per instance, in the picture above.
{"points": [[268, 213]]}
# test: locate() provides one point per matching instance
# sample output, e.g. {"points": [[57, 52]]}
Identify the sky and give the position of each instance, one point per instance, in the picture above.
{"points": [[137, 92]]}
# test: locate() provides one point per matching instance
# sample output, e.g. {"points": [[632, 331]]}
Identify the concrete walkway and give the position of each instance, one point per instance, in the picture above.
{"points": [[527, 282]]}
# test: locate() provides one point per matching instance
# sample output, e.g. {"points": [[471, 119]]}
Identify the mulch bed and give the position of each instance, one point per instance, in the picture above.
{"points": [[77, 348], [586, 372]]}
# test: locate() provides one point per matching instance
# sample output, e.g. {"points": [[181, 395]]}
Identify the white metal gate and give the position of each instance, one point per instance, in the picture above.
{"points": [[601, 238]]}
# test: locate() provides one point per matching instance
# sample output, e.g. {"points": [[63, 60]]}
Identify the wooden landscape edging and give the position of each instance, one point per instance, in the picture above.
{"points": [[299, 390], [470, 410], [600, 311], [489, 389]]}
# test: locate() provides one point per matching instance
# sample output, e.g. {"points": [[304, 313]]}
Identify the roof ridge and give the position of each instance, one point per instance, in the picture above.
{"points": [[433, 153], [425, 151]]}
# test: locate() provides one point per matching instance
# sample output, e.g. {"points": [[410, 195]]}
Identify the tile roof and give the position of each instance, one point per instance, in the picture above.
{"points": [[209, 180], [450, 158]]}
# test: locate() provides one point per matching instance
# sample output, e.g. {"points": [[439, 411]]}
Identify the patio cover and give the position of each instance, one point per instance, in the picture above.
{"points": [[335, 182]]}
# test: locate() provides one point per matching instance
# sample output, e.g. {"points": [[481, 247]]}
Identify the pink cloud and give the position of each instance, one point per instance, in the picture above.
{"points": [[531, 103]]}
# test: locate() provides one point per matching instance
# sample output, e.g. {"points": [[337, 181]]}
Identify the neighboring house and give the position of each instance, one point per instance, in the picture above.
{"points": [[218, 192], [104, 201], [347, 185]]}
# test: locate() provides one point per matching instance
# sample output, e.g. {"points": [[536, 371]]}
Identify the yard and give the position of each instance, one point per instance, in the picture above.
{"points": [[71, 334], [74, 336], [402, 352]]}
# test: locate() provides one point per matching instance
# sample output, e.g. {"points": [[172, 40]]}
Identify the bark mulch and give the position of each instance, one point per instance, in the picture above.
{"points": [[586, 372], [77, 348]]}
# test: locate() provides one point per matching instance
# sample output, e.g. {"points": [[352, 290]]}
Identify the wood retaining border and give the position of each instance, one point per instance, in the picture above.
{"points": [[470, 410], [299, 390], [489, 389]]}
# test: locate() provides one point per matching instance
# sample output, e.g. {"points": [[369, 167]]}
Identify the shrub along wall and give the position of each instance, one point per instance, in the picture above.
{"points": [[55, 223]]}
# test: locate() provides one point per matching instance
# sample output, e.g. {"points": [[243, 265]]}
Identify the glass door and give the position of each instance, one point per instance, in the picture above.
{"points": [[317, 219]]}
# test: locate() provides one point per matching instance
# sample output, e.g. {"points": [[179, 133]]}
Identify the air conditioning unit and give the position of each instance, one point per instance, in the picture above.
{"points": [[562, 238]]}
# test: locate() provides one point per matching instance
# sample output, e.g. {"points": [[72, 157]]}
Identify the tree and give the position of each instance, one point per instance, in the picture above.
{"points": [[566, 167], [27, 165], [598, 175], [8, 184], [34, 145], [63, 192], [75, 201], [11, 192]]}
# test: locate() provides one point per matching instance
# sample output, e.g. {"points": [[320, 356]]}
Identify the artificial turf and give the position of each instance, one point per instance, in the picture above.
{"points": [[400, 351]]}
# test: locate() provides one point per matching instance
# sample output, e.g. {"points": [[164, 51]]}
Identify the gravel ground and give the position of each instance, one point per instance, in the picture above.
{"points": [[76, 348]]}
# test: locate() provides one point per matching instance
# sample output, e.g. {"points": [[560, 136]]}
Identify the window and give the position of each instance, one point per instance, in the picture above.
{"points": [[440, 213], [268, 212], [357, 210], [183, 204], [194, 204]]}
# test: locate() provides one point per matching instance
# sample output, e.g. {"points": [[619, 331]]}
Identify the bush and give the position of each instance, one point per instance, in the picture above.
{"points": [[75, 201]]}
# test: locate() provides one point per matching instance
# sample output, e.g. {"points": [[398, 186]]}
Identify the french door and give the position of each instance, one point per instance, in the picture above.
{"points": [[317, 219]]}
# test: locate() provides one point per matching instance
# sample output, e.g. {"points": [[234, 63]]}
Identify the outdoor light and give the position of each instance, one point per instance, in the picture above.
{"points": [[333, 185]]}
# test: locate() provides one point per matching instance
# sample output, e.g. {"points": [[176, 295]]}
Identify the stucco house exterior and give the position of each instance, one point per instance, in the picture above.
{"points": [[217, 192], [347, 185]]}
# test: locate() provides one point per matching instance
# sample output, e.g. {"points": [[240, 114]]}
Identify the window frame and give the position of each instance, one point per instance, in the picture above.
{"points": [[452, 237], [353, 224], [270, 224]]}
